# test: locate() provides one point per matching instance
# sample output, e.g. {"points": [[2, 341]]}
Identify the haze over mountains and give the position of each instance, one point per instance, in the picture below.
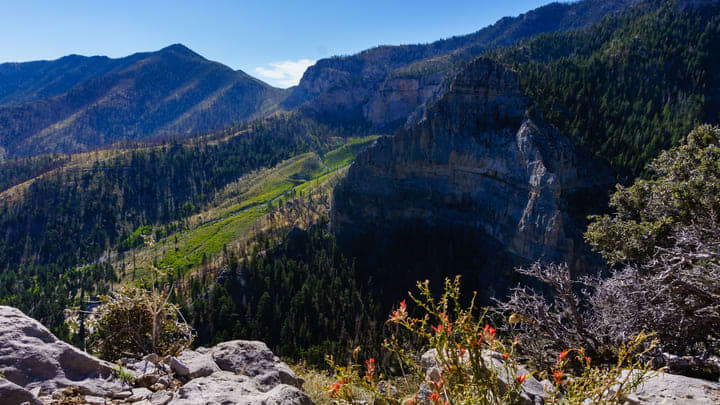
{"points": [[78, 103]]}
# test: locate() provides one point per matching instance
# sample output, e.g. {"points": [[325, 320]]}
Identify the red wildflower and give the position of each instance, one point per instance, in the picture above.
{"points": [[505, 356], [438, 385], [334, 388], [489, 331], [521, 378], [400, 313], [563, 354], [370, 365], [558, 376]]}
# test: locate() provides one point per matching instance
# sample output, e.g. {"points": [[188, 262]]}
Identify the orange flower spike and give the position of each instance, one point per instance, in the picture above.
{"points": [[505, 356], [558, 376], [563, 354], [587, 360], [521, 378]]}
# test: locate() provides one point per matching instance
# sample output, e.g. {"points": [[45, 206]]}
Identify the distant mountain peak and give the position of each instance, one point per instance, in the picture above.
{"points": [[181, 50]]}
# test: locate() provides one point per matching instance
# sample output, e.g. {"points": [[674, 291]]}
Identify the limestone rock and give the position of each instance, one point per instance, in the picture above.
{"points": [[13, 394], [479, 164], [533, 391], [138, 394], [254, 359], [32, 357], [178, 367], [226, 387], [198, 364], [161, 398], [666, 389]]}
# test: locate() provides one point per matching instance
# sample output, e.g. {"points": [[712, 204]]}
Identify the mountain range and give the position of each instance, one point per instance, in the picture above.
{"points": [[79, 103]]}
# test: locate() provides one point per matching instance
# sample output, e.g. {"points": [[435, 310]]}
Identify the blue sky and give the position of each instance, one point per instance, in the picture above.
{"points": [[272, 40]]}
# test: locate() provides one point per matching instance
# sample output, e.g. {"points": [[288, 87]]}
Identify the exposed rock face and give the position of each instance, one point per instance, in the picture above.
{"points": [[479, 163], [666, 389], [13, 394], [253, 359], [36, 366], [33, 358], [225, 387], [384, 86]]}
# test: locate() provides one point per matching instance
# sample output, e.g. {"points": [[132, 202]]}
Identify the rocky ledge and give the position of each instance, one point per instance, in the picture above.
{"points": [[37, 368]]}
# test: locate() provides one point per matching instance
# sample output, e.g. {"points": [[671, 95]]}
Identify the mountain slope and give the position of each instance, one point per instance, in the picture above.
{"points": [[382, 87], [77, 103]]}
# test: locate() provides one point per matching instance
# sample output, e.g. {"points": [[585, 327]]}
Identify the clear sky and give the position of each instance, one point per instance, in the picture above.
{"points": [[272, 40]]}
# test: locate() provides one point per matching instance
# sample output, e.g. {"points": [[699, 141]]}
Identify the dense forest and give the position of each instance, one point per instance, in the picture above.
{"points": [[629, 86], [73, 215], [302, 297]]}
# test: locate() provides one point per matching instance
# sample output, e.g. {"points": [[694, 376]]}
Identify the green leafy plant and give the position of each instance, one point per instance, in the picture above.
{"points": [[468, 363], [124, 375], [134, 322]]}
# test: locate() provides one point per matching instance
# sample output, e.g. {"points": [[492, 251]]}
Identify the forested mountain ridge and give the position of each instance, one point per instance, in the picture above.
{"points": [[630, 86], [382, 87], [76, 103]]}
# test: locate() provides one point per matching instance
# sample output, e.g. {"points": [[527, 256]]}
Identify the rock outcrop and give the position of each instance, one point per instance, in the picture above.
{"points": [[33, 358], [481, 163], [666, 389], [37, 368]]}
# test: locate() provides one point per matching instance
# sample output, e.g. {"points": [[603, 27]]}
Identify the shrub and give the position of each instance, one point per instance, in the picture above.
{"points": [[477, 366], [135, 322]]}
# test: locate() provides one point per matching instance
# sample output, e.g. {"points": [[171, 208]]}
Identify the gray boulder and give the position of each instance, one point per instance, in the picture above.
{"points": [[228, 388], [194, 364], [254, 359], [33, 358], [13, 394], [668, 389]]}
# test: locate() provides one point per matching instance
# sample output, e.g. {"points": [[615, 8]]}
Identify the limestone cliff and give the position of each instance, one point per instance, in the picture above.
{"points": [[480, 162]]}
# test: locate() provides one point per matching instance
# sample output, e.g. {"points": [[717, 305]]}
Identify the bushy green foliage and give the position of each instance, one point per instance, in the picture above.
{"points": [[650, 214], [135, 322], [666, 233]]}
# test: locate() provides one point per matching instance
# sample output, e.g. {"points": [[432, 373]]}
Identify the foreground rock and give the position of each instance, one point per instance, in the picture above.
{"points": [[236, 372], [13, 394], [666, 389], [33, 358], [39, 368], [224, 387]]}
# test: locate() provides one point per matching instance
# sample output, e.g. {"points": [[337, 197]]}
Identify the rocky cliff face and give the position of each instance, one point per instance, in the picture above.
{"points": [[479, 163], [382, 87]]}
